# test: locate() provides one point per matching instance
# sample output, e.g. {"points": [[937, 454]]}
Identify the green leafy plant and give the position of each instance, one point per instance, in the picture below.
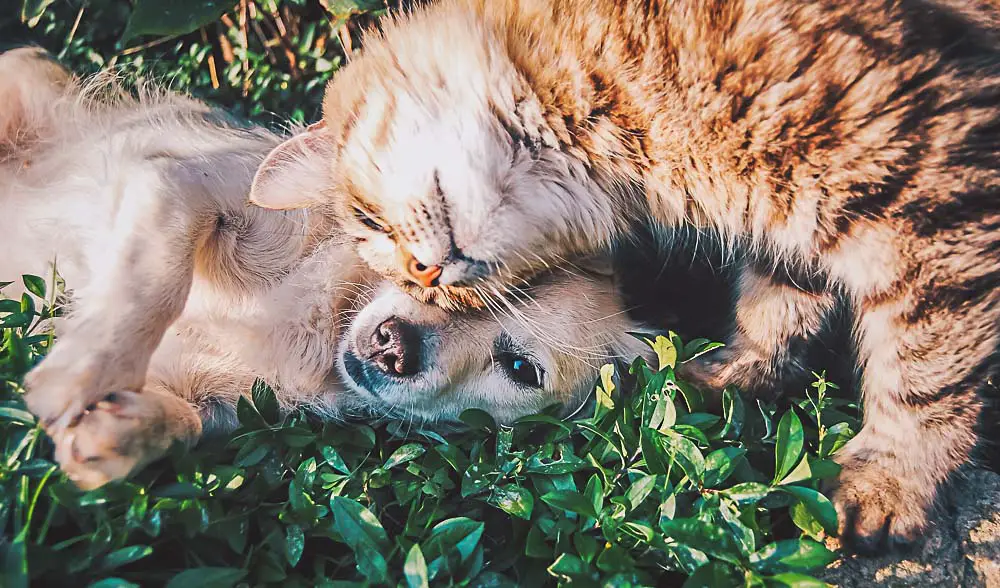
{"points": [[257, 57], [655, 484]]}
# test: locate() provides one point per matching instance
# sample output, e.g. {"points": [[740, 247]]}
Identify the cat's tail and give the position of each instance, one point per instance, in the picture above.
{"points": [[31, 83]]}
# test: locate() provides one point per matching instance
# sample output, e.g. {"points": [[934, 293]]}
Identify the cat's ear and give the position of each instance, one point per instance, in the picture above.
{"points": [[295, 174]]}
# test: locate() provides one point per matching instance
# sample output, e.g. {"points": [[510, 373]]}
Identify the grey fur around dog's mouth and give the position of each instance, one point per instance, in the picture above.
{"points": [[357, 377]]}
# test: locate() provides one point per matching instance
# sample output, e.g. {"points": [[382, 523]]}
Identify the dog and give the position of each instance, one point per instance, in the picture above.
{"points": [[180, 295]]}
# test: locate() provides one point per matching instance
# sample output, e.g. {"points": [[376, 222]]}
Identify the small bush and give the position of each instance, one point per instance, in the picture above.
{"points": [[654, 486]]}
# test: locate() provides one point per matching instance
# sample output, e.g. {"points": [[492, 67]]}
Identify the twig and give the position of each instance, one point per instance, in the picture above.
{"points": [[224, 44], [245, 40], [212, 71], [278, 29], [265, 41], [72, 31], [147, 45]]}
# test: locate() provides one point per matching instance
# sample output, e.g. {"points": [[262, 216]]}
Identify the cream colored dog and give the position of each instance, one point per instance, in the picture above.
{"points": [[182, 295]]}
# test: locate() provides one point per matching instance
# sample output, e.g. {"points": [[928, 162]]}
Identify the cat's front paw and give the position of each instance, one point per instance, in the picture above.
{"points": [[120, 434], [877, 509]]}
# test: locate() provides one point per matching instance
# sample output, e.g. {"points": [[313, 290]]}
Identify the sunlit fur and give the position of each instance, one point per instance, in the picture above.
{"points": [[182, 295], [848, 145]]}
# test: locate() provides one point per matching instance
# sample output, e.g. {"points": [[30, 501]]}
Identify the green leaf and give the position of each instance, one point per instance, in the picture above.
{"points": [[698, 347], [207, 577], [595, 492], [35, 285], [514, 500], [570, 500], [32, 11], [819, 506], [788, 450], [124, 556], [415, 568], [265, 401], [802, 472], [733, 413], [459, 535], [570, 567], [684, 453], [639, 490], [16, 415], [7, 305], [793, 580], [248, 415], [714, 574], [835, 437], [747, 492], [805, 521], [15, 569], [404, 454], [567, 463], [720, 464], [704, 536], [334, 460], [364, 534], [295, 543], [478, 419], [653, 453], [792, 555], [172, 17], [615, 559], [112, 583]]}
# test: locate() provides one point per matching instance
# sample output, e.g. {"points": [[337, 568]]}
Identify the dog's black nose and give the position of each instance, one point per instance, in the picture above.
{"points": [[395, 347]]}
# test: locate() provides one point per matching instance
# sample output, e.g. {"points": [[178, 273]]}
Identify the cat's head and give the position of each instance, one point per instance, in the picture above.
{"points": [[443, 166]]}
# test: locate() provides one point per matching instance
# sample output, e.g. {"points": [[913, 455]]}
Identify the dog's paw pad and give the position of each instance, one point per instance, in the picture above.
{"points": [[112, 438]]}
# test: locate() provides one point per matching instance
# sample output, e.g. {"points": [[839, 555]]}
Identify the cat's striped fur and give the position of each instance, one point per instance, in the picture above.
{"points": [[849, 144]]}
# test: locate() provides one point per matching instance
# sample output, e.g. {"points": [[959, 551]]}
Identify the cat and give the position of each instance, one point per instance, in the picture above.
{"points": [[182, 296], [846, 148]]}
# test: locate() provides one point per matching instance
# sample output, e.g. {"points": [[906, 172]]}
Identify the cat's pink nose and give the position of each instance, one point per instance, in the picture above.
{"points": [[427, 276]]}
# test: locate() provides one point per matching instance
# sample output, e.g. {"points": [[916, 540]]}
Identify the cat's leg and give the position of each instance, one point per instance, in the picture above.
{"points": [[927, 347], [775, 317]]}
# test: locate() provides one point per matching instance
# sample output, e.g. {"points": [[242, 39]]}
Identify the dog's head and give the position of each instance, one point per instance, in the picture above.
{"points": [[410, 360]]}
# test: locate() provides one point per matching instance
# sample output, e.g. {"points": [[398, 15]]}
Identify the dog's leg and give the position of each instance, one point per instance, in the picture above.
{"points": [[123, 433], [142, 271]]}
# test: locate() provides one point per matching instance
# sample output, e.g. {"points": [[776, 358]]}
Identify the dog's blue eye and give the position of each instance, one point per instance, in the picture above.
{"points": [[521, 370]]}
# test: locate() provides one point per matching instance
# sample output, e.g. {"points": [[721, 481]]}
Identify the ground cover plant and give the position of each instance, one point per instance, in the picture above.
{"points": [[648, 486], [652, 485]]}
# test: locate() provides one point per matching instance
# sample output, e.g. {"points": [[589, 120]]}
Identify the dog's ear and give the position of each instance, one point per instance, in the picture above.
{"points": [[31, 81], [598, 264], [296, 173]]}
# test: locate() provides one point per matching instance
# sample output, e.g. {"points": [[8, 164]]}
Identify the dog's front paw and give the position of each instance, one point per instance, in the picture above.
{"points": [[120, 434], [77, 374], [878, 509]]}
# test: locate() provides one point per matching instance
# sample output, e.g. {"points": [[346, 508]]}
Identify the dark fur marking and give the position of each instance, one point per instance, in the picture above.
{"points": [[929, 216]]}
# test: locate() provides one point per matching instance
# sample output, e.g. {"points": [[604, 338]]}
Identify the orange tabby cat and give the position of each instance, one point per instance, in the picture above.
{"points": [[844, 146]]}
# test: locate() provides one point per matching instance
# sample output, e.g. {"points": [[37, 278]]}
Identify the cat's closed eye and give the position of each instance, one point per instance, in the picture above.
{"points": [[370, 222]]}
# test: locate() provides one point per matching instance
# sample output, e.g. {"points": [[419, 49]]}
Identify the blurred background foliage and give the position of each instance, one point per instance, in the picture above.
{"points": [[266, 60]]}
